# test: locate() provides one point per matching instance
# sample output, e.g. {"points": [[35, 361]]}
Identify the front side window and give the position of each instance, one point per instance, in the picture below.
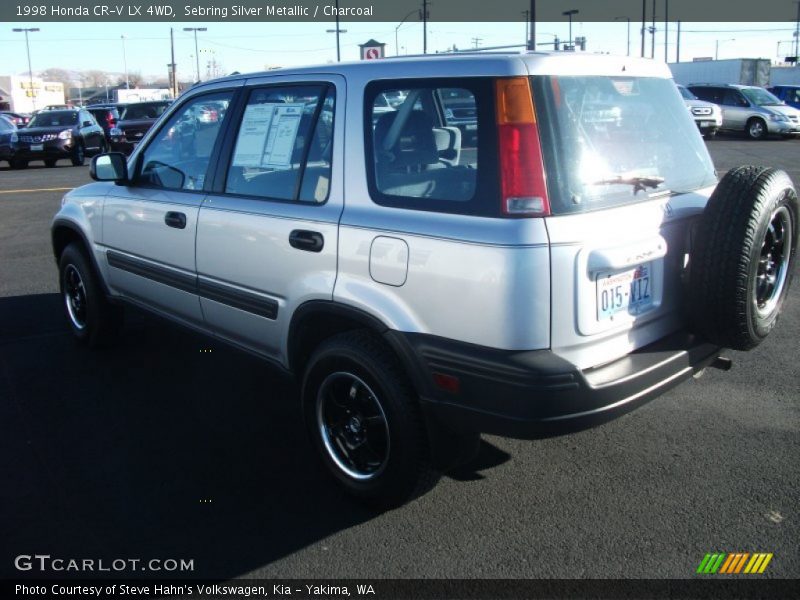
{"points": [[284, 145], [761, 97], [425, 145], [178, 157]]}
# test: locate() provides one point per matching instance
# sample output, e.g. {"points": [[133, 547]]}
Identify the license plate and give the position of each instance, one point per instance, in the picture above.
{"points": [[706, 123], [37, 147], [629, 291], [471, 127]]}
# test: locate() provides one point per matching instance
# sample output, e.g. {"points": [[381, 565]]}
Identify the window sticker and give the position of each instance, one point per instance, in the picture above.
{"points": [[267, 135]]}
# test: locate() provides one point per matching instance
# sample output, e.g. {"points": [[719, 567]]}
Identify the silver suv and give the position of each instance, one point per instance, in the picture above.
{"points": [[750, 109], [572, 259]]}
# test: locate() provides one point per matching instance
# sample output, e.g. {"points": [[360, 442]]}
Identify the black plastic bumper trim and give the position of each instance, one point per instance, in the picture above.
{"points": [[538, 394]]}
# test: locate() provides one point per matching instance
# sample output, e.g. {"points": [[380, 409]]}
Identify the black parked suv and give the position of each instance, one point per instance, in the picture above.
{"points": [[55, 134], [134, 121], [106, 115]]}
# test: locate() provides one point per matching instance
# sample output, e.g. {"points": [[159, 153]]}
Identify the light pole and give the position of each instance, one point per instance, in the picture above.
{"points": [[628, 19], [797, 37], [569, 13], [28, 49], [196, 52], [125, 63], [716, 47], [396, 46]]}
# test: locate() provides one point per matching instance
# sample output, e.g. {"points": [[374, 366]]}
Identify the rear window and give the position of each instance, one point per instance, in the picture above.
{"points": [[610, 141], [428, 145], [143, 111]]}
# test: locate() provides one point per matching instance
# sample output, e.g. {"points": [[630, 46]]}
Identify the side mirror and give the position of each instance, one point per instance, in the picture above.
{"points": [[109, 167]]}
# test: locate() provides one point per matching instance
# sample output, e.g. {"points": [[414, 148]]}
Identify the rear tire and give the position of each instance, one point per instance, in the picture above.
{"points": [[18, 164], [365, 421], [743, 257], [50, 163], [91, 317]]}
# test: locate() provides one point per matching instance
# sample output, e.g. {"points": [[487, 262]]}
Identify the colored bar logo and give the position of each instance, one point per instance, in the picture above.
{"points": [[734, 563]]}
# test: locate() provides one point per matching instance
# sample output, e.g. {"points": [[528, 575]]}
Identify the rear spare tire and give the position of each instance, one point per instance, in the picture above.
{"points": [[743, 257]]}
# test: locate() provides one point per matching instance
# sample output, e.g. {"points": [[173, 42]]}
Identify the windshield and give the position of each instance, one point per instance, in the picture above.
{"points": [[686, 93], [54, 118], [609, 141], [761, 97]]}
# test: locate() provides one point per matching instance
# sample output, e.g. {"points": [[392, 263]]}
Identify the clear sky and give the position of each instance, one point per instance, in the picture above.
{"points": [[255, 46]]}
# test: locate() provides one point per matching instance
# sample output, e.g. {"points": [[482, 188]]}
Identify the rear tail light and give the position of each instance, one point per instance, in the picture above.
{"points": [[110, 120], [522, 178]]}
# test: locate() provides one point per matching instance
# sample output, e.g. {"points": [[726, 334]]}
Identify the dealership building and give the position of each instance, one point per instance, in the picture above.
{"points": [[24, 94]]}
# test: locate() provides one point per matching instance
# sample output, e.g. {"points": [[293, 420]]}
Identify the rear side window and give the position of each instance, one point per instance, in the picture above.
{"points": [[284, 144], [427, 144], [609, 141]]}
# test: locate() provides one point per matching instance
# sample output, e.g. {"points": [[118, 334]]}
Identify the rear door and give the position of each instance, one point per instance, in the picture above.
{"points": [[628, 172], [149, 226], [268, 234]]}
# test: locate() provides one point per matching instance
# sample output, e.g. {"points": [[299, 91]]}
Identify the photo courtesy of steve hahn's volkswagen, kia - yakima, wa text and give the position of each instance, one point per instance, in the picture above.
{"points": [[433, 299]]}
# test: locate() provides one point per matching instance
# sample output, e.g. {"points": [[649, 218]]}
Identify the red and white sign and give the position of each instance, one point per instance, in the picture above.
{"points": [[372, 52]]}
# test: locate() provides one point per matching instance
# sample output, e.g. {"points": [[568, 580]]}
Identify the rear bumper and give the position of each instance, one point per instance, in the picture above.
{"points": [[536, 393]]}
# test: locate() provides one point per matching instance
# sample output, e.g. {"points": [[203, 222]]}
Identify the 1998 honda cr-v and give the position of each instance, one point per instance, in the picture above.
{"points": [[573, 260]]}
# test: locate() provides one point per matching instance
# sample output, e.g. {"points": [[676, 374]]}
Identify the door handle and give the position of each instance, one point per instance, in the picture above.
{"points": [[175, 219], [310, 241]]}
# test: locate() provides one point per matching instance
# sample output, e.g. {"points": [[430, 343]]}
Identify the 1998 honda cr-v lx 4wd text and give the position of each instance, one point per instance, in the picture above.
{"points": [[575, 259]]}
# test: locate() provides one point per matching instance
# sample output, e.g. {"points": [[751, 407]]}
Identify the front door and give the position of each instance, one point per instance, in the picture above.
{"points": [[149, 226]]}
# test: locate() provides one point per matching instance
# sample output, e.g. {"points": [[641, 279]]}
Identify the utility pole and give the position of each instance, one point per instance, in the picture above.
{"points": [[476, 41], [339, 30], [797, 37], [644, 22], [125, 63], [532, 39], [666, 31], [30, 71], [424, 26], [173, 78], [527, 14], [678, 45], [653, 33]]}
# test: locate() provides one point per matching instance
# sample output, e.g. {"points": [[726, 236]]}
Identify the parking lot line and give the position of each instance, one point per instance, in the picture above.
{"points": [[59, 189]]}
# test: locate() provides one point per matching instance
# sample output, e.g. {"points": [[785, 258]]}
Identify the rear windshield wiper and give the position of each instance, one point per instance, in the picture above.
{"points": [[639, 182]]}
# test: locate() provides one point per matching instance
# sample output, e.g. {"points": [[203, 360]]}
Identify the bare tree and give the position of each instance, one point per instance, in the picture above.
{"points": [[95, 78], [55, 74]]}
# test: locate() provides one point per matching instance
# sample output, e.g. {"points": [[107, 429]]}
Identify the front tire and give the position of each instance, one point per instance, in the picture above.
{"points": [[50, 163], [756, 129], [365, 421], [78, 156], [16, 163], [92, 319], [743, 257]]}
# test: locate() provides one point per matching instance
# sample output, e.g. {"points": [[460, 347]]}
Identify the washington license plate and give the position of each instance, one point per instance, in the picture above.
{"points": [[627, 291]]}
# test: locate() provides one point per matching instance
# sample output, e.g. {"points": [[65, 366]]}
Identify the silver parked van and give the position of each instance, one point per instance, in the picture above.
{"points": [[565, 258], [750, 109]]}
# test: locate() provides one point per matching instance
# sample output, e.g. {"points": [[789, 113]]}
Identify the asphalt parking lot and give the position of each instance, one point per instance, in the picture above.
{"points": [[169, 445]]}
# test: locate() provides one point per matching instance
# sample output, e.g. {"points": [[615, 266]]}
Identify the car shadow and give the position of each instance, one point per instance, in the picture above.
{"points": [[166, 445]]}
